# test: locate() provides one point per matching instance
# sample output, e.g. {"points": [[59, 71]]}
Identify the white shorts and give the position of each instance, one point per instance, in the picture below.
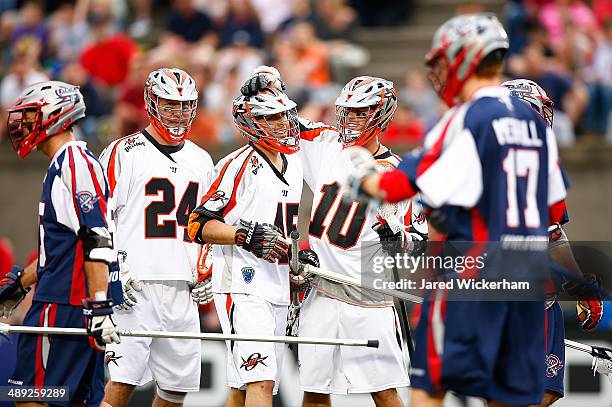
{"points": [[249, 362], [173, 363], [345, 369]]}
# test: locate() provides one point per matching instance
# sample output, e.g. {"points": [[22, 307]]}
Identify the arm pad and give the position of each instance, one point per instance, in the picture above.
{"points": [[97, 244]]}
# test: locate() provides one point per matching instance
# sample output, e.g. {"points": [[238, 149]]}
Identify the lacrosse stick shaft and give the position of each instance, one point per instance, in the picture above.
{"points": [[342, 279], [295, 262], [194, 335]]}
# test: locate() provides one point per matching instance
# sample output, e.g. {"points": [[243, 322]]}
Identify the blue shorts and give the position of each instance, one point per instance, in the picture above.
{"points": [[491, 350], [59, 360], [555, 349]]}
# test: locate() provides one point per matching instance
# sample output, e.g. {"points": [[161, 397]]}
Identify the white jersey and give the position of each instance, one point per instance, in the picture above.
{"points": [[247, 186], [154, 188], [339, 234]]}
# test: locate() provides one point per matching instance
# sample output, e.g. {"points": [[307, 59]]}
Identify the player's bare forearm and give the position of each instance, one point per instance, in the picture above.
{"points": [[29, 275], [370, 185], [560, 253], [217, 232], [97, 277]]}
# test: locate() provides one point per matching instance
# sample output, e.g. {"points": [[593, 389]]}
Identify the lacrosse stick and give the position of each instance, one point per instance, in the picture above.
{"points": [[370, 343]]}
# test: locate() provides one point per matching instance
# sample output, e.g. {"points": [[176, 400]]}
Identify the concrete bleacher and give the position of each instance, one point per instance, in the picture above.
{"points": [[394, 51]]}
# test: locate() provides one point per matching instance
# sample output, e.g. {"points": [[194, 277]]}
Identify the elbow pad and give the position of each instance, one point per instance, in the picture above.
{"points": [[97, 244]]}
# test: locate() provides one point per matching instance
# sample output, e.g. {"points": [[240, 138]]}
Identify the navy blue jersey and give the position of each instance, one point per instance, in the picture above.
{"points": [[74, 195], [491, 166]]}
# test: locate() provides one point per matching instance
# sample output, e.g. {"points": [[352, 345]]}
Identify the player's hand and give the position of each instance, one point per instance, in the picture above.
{"points": [[265, 241], [416, 242], [300, 281], [263, 77], [201, 292], [589, 307], [129, 283], [409, 241], [101, 328], [391, 242], [11, 291], [197, 220], [365, 169]]}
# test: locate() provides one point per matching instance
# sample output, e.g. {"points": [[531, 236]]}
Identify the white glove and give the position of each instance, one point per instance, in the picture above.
{"points": [[202, 292], [129, 283], [100, 324]]}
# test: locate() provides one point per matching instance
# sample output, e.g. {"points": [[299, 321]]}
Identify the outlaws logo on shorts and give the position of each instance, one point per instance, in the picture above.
{"points": [[87, 200], [553, 365], [247, 274], [109, 356], [252, 361]]}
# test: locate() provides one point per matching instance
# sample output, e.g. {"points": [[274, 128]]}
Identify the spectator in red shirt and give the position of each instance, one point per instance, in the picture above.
{"points": [[405, 129], [107, 59]]}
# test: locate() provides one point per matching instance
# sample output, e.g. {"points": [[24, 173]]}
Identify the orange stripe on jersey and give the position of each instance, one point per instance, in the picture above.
{"points": [[232, 201], [110, 172], [215, 184], [312, 134]]}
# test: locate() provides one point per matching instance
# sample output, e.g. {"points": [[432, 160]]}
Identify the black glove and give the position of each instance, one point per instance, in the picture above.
{"points": [[11, 291], [265, 241], [100, 325], [391, 242], [301, 281], [260, 82]]}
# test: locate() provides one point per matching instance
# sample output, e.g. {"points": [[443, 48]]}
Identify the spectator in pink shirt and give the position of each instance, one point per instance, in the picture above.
{"points": [[556, 15]]}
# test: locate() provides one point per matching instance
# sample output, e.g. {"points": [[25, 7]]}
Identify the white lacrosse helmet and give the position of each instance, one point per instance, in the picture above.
{"points": [[378, 96], [532, 93], [173, 122], [458, 47], [43, 110], [268, 119]]}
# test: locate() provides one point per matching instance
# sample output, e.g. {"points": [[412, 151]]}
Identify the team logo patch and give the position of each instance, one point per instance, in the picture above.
{"points": [[110, 356], [87, 200], [132, 142], [255, 165], [247, 274], [252, 361], [219, 196], [553, 365]]}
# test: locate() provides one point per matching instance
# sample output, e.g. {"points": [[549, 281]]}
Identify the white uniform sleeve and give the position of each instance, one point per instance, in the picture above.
{"points": [[556, 186], [455, 178], [316, 142], [228, 186]]}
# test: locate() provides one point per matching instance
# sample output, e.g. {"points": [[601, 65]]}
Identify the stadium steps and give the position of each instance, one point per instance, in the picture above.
{"points": [[396, 50]]}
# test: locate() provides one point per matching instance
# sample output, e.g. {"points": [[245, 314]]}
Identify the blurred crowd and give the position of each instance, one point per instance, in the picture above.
{"points": [[108, 47], [566, 46]]}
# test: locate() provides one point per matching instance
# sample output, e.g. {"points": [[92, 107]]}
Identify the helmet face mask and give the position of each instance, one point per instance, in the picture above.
{"points": [[270, 120], [356, 125], [364, 108], [23, 129], [171, 101], [43, 110]]}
